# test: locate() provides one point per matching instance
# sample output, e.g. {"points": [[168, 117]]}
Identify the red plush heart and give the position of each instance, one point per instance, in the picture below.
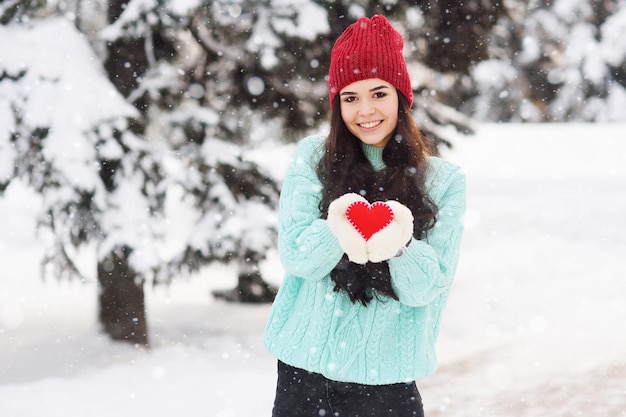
{"points": [[367, 218]]}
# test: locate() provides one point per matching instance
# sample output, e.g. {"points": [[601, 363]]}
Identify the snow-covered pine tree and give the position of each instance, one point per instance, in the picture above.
{"points": [[494, 89], [584, 70], [559, 60], [182, 69], [65, 132], [446, 39]]}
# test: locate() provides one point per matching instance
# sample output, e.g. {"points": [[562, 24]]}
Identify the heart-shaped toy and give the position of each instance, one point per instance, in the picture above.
{"points": [[367, 218]]}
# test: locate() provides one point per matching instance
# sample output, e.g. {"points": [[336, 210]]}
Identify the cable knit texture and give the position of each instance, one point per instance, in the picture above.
{"points": [[320, 330]]}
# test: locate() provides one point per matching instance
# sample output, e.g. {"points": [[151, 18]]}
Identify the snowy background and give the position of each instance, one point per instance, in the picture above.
{"points": [[534, 325]]}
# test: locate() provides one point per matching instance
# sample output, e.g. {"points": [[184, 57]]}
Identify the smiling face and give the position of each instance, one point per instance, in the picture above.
{"points": [[369, 109]]}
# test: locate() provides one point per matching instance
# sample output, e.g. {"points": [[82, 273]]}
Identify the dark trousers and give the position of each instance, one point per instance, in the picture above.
{"points": [[300, 393]]}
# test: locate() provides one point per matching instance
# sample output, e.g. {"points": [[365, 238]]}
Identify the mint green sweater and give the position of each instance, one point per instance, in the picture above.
{"points": [[315, 328]]}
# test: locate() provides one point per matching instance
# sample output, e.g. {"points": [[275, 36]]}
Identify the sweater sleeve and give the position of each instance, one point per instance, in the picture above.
{"points": [[307, 247], [427, 268]]}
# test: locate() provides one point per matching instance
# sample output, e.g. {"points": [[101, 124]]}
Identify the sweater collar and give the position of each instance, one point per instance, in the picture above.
{"points": [[374, 155]]}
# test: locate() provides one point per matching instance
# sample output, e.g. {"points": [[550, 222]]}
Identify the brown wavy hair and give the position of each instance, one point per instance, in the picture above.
{"points": [[344, 168]]}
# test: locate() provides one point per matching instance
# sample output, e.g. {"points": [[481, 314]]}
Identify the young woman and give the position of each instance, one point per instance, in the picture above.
{"points": [[370, 230]]}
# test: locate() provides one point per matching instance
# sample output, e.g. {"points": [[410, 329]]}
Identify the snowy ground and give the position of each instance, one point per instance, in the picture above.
{"points": [[534, 326]]}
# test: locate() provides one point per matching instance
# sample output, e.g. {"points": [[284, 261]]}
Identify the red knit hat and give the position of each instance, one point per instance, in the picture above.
{"points": [[369, 48]]}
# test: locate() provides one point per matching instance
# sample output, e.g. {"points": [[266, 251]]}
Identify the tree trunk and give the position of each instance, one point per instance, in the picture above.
{"points": [[251, 287], [121, 301]]}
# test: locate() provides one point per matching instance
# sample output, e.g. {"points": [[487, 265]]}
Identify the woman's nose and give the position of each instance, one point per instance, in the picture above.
{"points": [[367, 107]]}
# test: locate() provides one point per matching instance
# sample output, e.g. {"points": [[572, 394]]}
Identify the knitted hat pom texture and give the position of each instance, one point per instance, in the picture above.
{"points": [[369, 48]]}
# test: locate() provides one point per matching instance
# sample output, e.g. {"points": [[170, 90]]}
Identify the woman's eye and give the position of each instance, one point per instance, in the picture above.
{"points": [[379, 94], [349, 99]]}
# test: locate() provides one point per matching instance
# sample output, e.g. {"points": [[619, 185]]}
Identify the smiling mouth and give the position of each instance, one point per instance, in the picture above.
{"points": [[369, 125]]}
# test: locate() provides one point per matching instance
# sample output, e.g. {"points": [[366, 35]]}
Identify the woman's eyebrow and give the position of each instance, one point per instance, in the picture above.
{"points": [[350, 93]]}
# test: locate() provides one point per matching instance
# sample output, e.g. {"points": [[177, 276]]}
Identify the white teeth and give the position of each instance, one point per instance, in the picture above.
{"points": [[369, 124]]}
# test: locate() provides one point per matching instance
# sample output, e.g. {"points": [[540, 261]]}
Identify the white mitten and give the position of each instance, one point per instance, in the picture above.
{"points": [[350, 240], [388, 241]]}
